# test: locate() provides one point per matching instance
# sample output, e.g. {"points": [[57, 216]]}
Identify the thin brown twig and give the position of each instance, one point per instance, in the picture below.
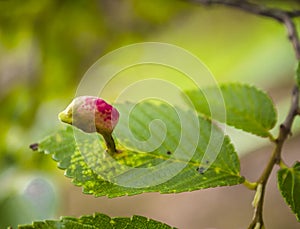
{"points": [[292, 34], [283, 16], [252, 8], [286, 18], [284, 132]]}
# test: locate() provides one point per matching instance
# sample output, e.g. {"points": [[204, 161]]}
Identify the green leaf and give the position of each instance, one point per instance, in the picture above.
{"points": [[97, 221], [289, 186], [242, 106], [168, 156], [298, 75]]}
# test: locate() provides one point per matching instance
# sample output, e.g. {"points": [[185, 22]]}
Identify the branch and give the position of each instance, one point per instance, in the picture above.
{"points": [[286, 18], [252, 8], [292, 34], [283, 16], [284, 132]]}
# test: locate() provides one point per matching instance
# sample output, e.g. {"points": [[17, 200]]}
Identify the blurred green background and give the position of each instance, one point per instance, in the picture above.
{"points": [[46, 47]]}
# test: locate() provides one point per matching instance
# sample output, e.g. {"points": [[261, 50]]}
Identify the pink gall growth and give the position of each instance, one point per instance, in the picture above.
{"points": [[92, 114]]}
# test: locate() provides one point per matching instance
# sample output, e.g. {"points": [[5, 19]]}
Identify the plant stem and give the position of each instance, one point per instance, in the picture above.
{"points": [[284, 132], [252, 8], [284, 17], [282, 165], [110, 143], [250, 185]]}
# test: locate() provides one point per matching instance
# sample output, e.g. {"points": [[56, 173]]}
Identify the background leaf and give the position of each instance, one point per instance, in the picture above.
{"points": [[99, 221], [85, 160], [242, 106], [289, 186]]}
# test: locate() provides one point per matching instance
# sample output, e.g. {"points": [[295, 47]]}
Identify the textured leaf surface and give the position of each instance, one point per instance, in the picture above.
{"points": [[99, 221], [289, 186], [242, 106], [161, 153]]}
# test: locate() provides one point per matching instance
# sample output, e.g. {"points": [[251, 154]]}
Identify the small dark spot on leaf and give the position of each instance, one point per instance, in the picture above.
{"points": [[169, 152], [201, 170], [207, 161], [34, 146]]}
